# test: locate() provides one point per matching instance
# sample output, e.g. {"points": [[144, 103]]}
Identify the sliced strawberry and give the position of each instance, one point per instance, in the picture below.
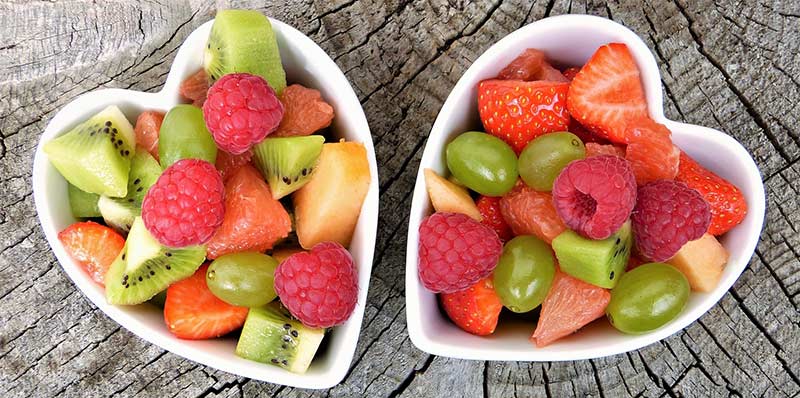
{"points": [[93, 246], [489, 207], [650, 151], [147, 127], [227, 164], [529, 66], [608, 92], [728, 206], [570, 305], [570, 73], [195, 88], [530, 212], [595, 149], [474, 310], [192, 312], [518, 111]]}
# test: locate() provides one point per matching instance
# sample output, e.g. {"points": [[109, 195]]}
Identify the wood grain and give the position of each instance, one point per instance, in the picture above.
{"points": [[733, 65]]}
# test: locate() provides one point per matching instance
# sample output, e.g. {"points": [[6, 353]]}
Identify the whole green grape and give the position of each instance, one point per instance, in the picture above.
{"points": [[483, 163], [244, 279], [183, 135], [524, 273], [543, 158], [647, 297]]}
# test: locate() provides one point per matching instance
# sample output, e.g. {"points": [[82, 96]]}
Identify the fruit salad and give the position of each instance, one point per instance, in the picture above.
{"points": [[232, 211], [571, 205]]}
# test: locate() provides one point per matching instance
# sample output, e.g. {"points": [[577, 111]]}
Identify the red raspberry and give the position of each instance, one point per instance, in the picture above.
{"points": [[320, 287], [240, 110], [489, 207], [594, 196], [455, 252], [667, 215], [186, 205]]}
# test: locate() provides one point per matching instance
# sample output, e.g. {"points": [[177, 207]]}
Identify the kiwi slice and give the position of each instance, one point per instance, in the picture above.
{"points": [[145, 267], [270, 335], [287, 162], [119, 213], [83, 204], [95, 156], [243, 41], [599, 262]]}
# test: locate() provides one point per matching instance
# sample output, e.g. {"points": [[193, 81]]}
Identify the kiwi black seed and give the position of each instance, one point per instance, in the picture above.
{"points": [[140, 281], [88, 159], [120, 212], [599, 262], [271, 335], [287, 162]]}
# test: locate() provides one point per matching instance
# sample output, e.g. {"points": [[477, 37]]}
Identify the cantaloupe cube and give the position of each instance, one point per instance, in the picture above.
{"points": [[449, 197], [326, 209], [701, 261]]}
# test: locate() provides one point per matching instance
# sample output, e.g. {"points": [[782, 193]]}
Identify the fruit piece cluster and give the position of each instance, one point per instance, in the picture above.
{"points": [[583, 203], [204, 182]]}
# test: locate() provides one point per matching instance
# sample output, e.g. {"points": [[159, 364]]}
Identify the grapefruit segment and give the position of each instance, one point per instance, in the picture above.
{"points": [[570, 304], [254, 221]]}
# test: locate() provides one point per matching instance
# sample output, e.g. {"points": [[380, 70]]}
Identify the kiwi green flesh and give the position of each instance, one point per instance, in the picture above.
{"points": [[271, 336], [144, 267], [599, 262], [95, 156], [83, 204], [243, 41], [119, 213], [287, 163]]}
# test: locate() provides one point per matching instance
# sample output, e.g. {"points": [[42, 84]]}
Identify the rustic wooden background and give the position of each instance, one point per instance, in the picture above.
{"points": [[729, 64]]}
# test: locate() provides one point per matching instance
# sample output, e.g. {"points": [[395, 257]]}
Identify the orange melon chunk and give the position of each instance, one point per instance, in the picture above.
{"points": [[701, 261], [328, 206], [448, 197]]}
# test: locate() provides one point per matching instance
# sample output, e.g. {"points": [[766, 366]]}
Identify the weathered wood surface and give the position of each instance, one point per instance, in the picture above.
{"points": [[731, 65]]}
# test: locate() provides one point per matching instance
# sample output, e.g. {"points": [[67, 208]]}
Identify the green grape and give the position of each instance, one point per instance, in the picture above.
{"points": [[483, 163], [543, 158], [524, 273], [647, 297], [244, 279], [184, 135]]}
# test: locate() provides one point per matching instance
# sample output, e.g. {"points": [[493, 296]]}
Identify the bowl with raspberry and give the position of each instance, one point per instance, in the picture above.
{"points": [[230, 217], [559, 215]]}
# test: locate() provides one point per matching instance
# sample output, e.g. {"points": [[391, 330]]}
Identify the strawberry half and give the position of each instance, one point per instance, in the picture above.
{"points": [[489, 207], [608, 92], [192, 312], [518, 111], [93, 246], [650, 151], [728, 206], [475, 309]]}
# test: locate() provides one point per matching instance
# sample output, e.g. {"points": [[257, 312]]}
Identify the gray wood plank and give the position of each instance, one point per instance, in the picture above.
{"points": [[731, 65]]}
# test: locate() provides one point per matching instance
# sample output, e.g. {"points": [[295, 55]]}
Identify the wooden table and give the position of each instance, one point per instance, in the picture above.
{"points": [[730, 65]]}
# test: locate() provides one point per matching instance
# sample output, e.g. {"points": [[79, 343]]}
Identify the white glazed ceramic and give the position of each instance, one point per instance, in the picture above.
{"points": [[570, 40], [305, 63]]}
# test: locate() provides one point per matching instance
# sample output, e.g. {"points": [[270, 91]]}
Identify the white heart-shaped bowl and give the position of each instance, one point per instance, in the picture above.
{"points": [[305, 63], [569, 40]]}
